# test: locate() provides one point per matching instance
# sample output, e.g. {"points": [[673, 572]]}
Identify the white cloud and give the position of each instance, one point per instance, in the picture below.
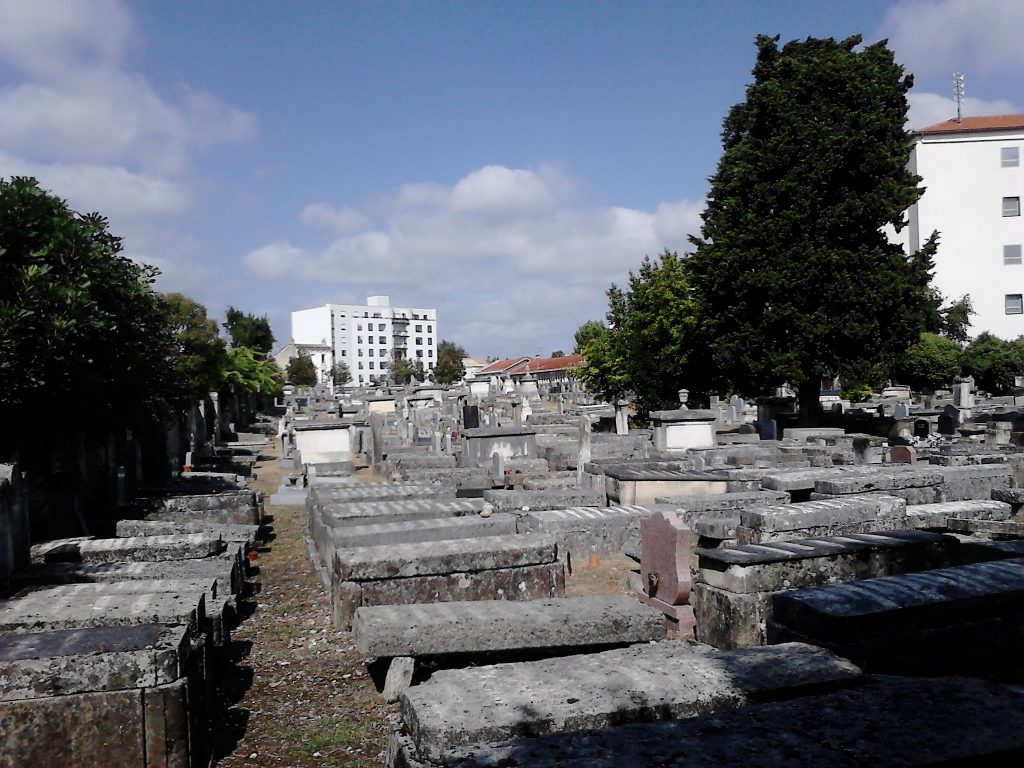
{"points": [[943, 36], [113, 190], [334, 221], [931, 108], [523, 257]]}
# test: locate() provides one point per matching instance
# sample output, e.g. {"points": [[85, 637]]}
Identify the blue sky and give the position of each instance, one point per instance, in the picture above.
{"points": [[502, 161]]}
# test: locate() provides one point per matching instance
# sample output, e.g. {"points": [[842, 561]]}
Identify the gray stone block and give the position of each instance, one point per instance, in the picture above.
{"points": [[878, 482], [879, 723], [428, 529], [724, 501], [937, 515], [443, 557], [975, 482], [245, 534], [847, 514], [513, 501], [581, 531], [475, 627], [133, 548], [664, 680]]}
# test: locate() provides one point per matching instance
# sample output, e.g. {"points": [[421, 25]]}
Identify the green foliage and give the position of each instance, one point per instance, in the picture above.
{"points": [[201, 355], [930, 364], [994, 363], [301, 371], [80, 326], [249, 372], [856, 392], [402, 371], [794, 274], [449, 368], [647, 343], [249, 331], [340, 374], [558, 353], [956, 319], [585, 333]]}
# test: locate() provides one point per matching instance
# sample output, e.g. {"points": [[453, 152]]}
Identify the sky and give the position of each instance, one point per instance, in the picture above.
{"points": [[504, 162]]}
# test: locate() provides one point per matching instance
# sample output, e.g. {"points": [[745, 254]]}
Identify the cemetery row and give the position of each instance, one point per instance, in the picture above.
{"points": [[790, 600], [110, 648]]}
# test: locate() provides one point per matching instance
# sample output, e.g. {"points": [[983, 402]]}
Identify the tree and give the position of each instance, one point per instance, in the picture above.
{"points": [[201, 355], [248, 372], [340, 374], [249, 331], [558, 353], [646, 346], [794, 275], [586, 332], [449, 368], [933, 362], [994, 363], [402, 370], [82, 333], [301, 371]]}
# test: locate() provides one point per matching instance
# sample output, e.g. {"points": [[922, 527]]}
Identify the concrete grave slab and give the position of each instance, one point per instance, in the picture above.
{"points": [[136, 548]]}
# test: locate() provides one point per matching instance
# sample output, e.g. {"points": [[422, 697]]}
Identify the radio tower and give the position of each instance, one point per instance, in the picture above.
{"points": [[958, 91]]}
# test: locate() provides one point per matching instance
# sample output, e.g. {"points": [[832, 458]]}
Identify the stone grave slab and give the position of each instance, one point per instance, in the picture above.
{"points": [[426, 529], [582, 531], [848, 514], [133, 548]]}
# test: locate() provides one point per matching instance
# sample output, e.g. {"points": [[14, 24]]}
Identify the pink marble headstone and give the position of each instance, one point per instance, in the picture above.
{"points": [[664, 558], [902, 454]]}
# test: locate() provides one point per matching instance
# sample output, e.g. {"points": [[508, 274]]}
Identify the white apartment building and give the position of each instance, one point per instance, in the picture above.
{"points": [[974, 179], [368, 336]]}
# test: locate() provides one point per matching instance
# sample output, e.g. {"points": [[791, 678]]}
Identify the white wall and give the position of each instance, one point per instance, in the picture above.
{"points": [[965, 185], [312, 326]]}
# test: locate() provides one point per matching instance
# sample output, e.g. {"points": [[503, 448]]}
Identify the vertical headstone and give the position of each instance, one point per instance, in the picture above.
{"points": [[769, 429], [664, 558], [447, 442], [435, 441], [584, 449], [901, 411], [561, 404], [698, 463], [714, 400], [730, 415], [470, 416], [376, 439], [517, 413], [621, 418], [498, 468]]}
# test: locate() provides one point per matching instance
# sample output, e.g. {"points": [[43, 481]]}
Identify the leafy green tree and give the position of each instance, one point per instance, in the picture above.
{"points": [[558, 353], [402, 370], [81, 330], [449, 368], [994, 363], [956, 319], [248, 372], [586, 332], [647, 344], [201, 355], [793, 272], [340, 374], [249, 330], [301, 371], [933, 362]]}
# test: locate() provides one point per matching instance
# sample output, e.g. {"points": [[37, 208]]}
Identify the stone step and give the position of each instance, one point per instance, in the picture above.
{"points": [[428, 529], [132, 548], [668, 680], [481, 626], [880, 723]]}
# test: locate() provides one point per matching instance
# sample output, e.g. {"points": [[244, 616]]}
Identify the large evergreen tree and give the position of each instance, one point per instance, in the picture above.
{"points": [[449, 368], [793, 271], [248, 330]]}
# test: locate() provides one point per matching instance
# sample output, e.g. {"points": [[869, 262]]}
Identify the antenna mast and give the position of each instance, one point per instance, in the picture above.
{"points": [[958, 91]]}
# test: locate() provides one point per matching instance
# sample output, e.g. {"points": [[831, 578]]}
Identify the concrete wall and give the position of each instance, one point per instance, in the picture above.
{"points": [[322, 446], [965, 186]]}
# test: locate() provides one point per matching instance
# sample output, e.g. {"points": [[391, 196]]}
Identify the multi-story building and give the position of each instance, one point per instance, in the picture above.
{"points": [[368, 337], [974, 181]]}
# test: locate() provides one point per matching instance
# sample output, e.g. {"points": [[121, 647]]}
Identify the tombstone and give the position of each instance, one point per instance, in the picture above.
{"points": [[902, 454], [584, 448], [621, 418], [698, 463], [517, 413], [922, 428], [435, 442], [962, 397], [768, 429], [714, 401], [498, 468], [376, 454], [561, 404], [730, 414], [901, 411], [447, 447], [949, 420], [684, 396]]}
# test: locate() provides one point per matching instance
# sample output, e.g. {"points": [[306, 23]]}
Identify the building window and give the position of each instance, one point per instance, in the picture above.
{"points": [[369, 353], [344, 353], [419, 339], [430, 329], [430, 340], [419, 352], [359, 326], [360, 368], [1014, 304], [382, 340], [430, 353], [359, 339], [1011, 254], [371, 366], [359, 352], [1009, 157], [419, 329], [1011, 206]]}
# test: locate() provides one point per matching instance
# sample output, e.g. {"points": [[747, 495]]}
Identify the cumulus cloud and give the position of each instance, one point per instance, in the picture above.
{"points": [[524, 258], [941, 36]]}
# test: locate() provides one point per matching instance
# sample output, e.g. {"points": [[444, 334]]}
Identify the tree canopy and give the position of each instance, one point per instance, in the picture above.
{"points": [[80, 325], [201, 355], [994, 363], [401, 370], [585, 333], [793, 273], [449, 368], [249, 330], [340, 374], [301, 371], [247, 372], [648, 341], [931, 363]]}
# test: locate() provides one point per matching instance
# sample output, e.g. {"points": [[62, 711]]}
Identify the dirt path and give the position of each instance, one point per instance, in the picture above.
{"points": [[310, 702], [299, 693]]}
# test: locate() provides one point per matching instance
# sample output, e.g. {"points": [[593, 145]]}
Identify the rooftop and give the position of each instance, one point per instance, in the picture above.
{"points": [[975, 124]]}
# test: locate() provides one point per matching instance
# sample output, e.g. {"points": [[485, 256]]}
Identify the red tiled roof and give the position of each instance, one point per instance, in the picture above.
{"points": [[502, 366], [547, 364], [981, 123]]}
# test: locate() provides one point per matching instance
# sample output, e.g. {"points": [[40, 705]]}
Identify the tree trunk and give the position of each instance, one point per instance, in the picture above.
{"points": [[810, 405]]}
